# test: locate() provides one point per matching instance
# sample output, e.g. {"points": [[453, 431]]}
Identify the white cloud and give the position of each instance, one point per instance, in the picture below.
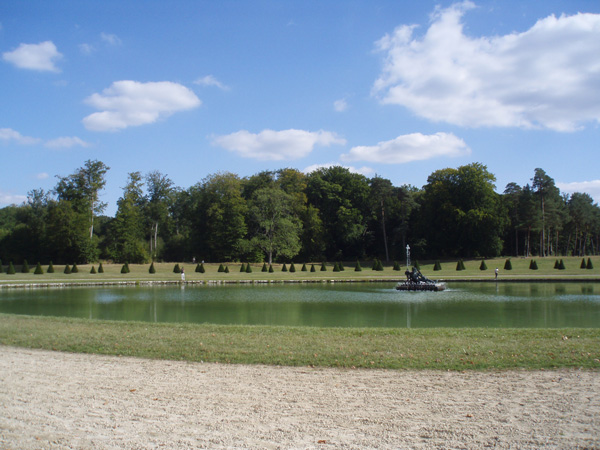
{"points": [[7, 198], [592, 188], [131, 103], [42, 176], [209, 80], [276, 145], [66, 142], [366, 171], [86, 49], [545, 77], [340, 105], [111, 39], [410, 147], [7, 135], [42, 56]]}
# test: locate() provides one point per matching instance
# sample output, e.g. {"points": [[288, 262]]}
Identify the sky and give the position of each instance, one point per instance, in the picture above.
{"points": [[392, 88]]}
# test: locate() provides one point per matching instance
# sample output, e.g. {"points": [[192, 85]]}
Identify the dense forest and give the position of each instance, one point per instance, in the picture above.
{"points": [[330, 214]]}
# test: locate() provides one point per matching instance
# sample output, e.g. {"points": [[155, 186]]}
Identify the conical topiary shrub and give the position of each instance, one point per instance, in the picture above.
{"points": [[202, 269], [437, 266], [375, 265], [396, 266], [125, 268], [583, 264], [589, 266], [341, 266], [292, 268], [221, 268], [533, 265], [264, 268], [74, 268], [242, 268], [93, 269], [100, 268], [357, 267], [417, 265], [459, 265], [38, 269], [11, 269], [271, 270], [284, 268], [226, 269], [336, 268], [561, 265], [508, 265], [556, 264], [67, 269], [312, 268], [248, 268], [152, 269], [483, 265], [50, 268], [177, 269], [304, 269], [323, 267], [25, 267]]}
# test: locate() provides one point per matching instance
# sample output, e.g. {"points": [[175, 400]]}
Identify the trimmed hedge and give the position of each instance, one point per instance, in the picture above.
{"points": [[508, 265], [38, 269], [152, 269]]}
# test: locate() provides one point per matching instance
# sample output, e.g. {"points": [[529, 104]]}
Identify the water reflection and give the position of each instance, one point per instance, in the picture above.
{"points": [[345, 305]]}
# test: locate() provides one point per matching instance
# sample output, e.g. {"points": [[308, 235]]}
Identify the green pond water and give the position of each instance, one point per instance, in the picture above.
{"points": [[498, 305]]}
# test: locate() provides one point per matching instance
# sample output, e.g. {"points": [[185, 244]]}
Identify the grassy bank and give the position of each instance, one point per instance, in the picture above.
{"points": [[164, 272], [440, 349]]}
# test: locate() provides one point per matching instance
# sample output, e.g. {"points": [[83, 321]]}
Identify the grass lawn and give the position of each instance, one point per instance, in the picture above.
{"points": [[164, 272]]}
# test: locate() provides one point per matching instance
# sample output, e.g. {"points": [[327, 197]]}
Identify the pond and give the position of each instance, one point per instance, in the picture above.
{"points": [[497, 305]]}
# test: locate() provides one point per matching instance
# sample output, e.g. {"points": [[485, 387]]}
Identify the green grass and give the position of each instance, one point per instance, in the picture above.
{"points": [[164, 272], [439, 349]]}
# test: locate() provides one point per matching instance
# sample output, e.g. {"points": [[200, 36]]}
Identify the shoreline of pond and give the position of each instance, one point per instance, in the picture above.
{"points": [[134, 283]]}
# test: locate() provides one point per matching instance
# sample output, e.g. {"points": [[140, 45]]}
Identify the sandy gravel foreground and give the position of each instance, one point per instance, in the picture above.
{"points": [[51, 400]]}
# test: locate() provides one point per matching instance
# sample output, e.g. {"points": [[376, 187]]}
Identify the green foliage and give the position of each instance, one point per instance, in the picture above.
{"points": [[202, 269], [271, 270], [341, 266], [460, 265], [507, 265], [312, 268], [556, 264], [93, 270], [226, 269], [561, 265], [323, 267], [74, 268], [38, 269], [125, 268], [100, 268], [25, 267], [437, 266], [242, 268], [483, 265], [248, 268], [418, 266], [67, 269], [152, 269], [397, 266], [264, 267], [357, 267], [284, 268], [533, 265], [304, 269], [292, 268], [11, 269], [336, 268], [589, 264], [583, 264], [176, 268], [50, 268], [221, 268]]}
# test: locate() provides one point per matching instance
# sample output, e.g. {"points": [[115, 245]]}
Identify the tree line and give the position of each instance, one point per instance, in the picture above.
{"points": [[285, 215]]}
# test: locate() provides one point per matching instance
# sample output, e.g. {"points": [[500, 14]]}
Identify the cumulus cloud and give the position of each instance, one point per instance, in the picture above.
{"points": [[544, 77], [7, 198], [8, 135], [276, 145], [132, 103], [111, 39], [366, 171], [210, 80], [66, 142], [592, 188], [42, 56], [340, 105], [410, 147]]}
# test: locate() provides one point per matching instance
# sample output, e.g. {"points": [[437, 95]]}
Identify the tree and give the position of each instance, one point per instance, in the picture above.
{"points": [[276, 230], [159, 198], [381, 196], [549, 200], [127, 229]]}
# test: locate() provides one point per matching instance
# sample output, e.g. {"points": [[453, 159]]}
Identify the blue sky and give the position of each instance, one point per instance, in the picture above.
{"points": [[394, 88]]}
